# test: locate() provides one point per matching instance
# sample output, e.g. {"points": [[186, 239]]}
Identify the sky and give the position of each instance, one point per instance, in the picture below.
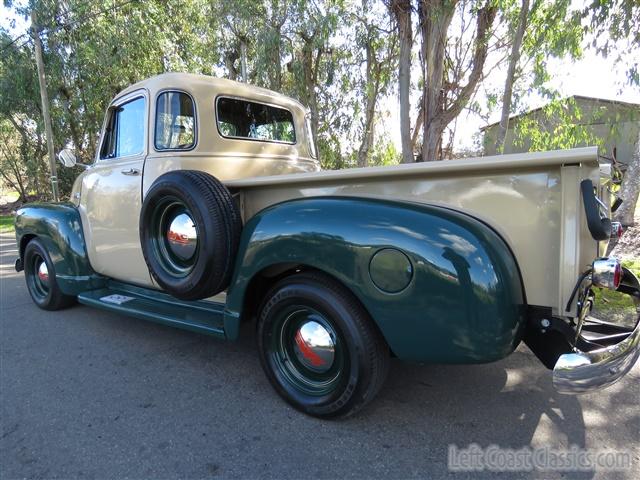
{"points": [[591, 76]]}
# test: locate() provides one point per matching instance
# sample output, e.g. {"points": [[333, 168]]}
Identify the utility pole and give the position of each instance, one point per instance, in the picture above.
{"points": [[44, 99]]}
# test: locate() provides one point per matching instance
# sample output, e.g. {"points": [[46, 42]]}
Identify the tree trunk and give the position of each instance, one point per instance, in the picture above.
{"points": [[243, 59], [630, 189], [310, 73], [279, 15], [418, 127], [230, 58], [511, 72], [402, 11], [436, 17], [276, 80], [372, 83]]}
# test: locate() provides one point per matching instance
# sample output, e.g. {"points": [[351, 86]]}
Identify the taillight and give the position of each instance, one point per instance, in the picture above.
{"points": [[616, 230], [606, 273], [617, 276]]}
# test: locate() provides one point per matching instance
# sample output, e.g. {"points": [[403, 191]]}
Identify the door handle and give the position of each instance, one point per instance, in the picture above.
{"points": [[130, 171]]}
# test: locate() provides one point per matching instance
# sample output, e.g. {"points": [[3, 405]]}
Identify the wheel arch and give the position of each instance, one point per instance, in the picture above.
{"points": [[263, 281], [59, 228], [22, 245]]}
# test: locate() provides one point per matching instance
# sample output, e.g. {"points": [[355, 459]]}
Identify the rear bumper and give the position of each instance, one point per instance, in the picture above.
{"points": [[585, 371], [581, 372]]}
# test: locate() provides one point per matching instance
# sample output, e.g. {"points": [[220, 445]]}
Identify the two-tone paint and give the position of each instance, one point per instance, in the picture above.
{"points": [[448, 287]]}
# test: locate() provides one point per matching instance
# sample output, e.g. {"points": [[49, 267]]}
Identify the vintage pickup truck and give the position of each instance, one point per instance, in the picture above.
{"points": [[205, 208]]}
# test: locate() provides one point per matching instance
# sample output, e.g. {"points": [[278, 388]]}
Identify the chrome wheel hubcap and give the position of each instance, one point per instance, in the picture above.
{"points": [[314, 347], [43, 273], [182, 237]]}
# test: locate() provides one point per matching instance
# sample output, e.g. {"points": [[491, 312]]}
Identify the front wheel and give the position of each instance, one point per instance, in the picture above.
{"points": [[319, 347], [41, 281]]}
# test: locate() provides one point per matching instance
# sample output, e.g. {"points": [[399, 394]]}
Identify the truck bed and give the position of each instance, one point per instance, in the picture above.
{"points": [[532, 200]]}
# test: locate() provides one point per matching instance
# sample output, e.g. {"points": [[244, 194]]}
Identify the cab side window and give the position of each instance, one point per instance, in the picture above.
{"points": [[124, 135], [175, 122]]}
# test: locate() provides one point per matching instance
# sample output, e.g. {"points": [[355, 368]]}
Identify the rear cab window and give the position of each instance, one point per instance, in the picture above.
{"points": [[248, 120], [175, 123]]}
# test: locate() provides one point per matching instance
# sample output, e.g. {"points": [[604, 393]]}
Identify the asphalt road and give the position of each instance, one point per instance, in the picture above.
{"points": [[90, 394]]}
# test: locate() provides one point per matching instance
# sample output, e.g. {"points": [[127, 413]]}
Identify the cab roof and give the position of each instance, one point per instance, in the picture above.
{"points": [[198, 85]]}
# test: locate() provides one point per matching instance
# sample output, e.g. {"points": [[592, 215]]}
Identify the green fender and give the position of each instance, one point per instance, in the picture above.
{"points": [[447, 288], [59, 227]]}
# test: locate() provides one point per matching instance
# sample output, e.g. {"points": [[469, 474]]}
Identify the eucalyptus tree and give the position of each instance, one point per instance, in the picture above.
{"points": [[315, 70], [514, 57], [242, 21], [13, 171], [23, 142], [537, 32], [440, 109], [272, 46], [377, 42], [402, 12]]}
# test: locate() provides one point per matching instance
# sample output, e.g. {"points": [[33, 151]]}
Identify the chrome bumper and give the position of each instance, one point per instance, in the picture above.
{"points": [[581, 372]]}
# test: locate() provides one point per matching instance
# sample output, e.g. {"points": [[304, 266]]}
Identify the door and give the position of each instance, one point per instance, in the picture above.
{"points": [[111, 195]]}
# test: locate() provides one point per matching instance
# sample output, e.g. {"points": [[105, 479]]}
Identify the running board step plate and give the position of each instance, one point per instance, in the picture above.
{"points": [[200, 316]]}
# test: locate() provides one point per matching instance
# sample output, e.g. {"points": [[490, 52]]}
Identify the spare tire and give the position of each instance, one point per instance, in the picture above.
{"points": [[189, 230]]}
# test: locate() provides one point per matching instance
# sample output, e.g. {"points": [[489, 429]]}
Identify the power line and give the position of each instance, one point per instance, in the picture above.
{"points": [[13, 41], [86, 17]]}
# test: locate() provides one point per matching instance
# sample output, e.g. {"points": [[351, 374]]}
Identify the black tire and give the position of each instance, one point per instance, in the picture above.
{"points": [[43, 288], [353, 374], [215, 216]]}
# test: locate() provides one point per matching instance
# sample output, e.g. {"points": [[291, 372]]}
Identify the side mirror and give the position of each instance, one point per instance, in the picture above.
{"points": [[67, 158]]}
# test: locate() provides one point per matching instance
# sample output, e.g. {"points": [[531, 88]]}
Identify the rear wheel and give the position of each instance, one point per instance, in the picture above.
{"points": [[319, 348], [41, 278]]}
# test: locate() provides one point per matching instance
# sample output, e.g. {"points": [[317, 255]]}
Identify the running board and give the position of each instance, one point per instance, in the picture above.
{"points": [[197, 316]]}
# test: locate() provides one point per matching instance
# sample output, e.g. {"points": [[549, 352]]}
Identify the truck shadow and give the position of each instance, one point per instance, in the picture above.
{"points": [[427, 408], [510, 404]]}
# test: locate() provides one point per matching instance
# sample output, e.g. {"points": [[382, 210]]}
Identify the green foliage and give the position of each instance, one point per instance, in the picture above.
{"points": [[633, 264], [6, 223], [554, 30], [385, 153], [559, 125], [92, 50]]}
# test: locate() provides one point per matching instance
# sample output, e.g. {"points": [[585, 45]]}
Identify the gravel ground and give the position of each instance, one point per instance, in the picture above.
{"points": [[90, 394]]}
